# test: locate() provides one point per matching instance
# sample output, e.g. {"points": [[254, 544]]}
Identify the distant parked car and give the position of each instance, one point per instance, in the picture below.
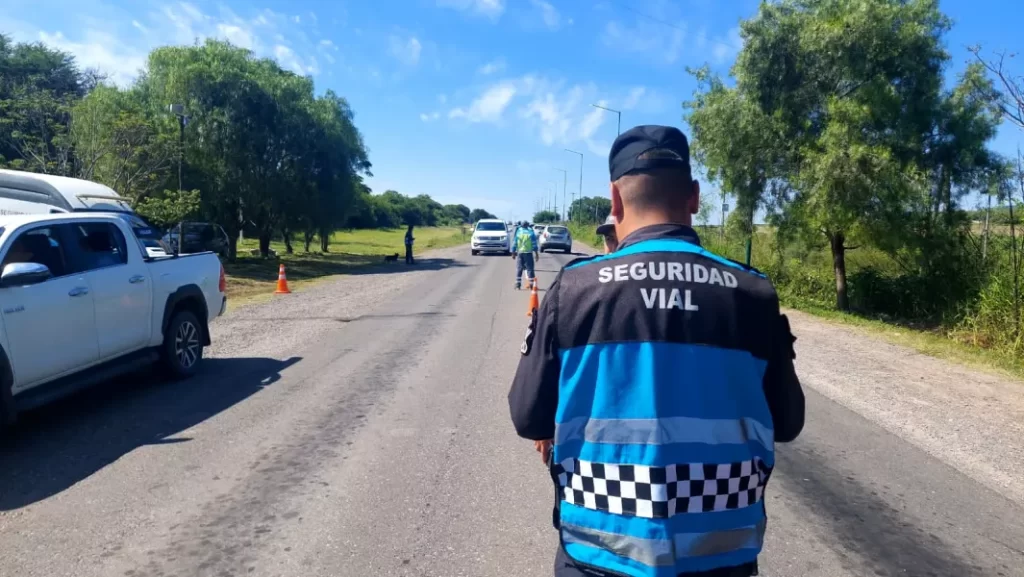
{"points": [[539, 229], [555, 237], [199, 237]]}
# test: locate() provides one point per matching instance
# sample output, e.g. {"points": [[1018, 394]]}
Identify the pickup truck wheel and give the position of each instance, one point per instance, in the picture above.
{"points": [[183, 347]]}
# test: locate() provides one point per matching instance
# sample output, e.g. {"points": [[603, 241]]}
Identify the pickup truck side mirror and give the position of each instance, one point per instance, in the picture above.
{"points": [[24, 273]]}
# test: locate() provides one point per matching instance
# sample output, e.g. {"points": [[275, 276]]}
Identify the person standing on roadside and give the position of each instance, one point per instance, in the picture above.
{"points": [[525, 249], [408, 246], [656, 381], [607, 232]]}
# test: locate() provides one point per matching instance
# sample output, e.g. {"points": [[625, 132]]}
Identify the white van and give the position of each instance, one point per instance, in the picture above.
{"points": [[32, 193]]}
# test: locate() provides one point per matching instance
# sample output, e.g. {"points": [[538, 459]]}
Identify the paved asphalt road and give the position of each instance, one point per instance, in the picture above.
{"points": [[378, 443]]}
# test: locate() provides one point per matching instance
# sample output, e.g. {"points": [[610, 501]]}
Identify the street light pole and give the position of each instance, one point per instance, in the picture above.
{"points": [[565, 176], [618, 124], [581, 170], [554, 196]]}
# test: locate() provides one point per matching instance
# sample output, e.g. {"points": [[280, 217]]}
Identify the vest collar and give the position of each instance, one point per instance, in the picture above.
{"points": [[667, 230]]}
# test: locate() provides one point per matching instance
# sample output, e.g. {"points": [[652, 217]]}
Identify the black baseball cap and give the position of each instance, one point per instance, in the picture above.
{"points": [[672, 150], [607, 227]]}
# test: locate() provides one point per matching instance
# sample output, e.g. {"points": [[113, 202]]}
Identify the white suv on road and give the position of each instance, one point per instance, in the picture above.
{"points": [[491, 235]]}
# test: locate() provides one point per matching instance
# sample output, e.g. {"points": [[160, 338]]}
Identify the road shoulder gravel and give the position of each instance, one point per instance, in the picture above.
{"points": [[971, 420]]}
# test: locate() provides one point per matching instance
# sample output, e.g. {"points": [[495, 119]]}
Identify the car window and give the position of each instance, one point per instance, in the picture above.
{"points": [[42, 245], [557, 230], [97, 245]]}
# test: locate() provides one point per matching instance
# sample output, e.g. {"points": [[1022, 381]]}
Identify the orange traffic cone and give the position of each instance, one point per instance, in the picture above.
{"points": [[534, 300], [282, 282]]}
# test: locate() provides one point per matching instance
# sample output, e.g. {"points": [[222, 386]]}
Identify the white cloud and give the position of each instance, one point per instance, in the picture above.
{"points": [[489, 107], [702, 39], [236, 35], [726, 48], [658, 32], [118, 42], [556, 112], [286, 56], [442, 98], [634, 97], [407, 51], [488, 8], [326, 48], [548, 13], [492, 67], [430, 117], [99, 50]]}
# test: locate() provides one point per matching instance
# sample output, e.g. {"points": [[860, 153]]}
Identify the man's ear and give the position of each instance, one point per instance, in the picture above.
{"points": [[694, 200], [617, 210]]}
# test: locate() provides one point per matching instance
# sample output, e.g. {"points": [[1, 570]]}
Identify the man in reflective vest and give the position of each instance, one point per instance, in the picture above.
{"points": [[524, 248], [656, 380]]}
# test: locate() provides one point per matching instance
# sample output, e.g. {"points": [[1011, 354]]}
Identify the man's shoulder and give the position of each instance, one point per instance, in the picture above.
{"points": [[580, 260], [744, 267]]}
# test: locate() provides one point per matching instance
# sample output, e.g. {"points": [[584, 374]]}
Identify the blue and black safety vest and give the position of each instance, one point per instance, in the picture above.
{"points": [[663, 441]]}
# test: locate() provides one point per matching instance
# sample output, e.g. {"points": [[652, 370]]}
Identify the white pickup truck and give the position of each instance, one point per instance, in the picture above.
{"points": [[82, 301]]}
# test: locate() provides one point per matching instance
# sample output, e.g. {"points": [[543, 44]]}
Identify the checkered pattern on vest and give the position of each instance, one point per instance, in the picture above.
{"points": [[661, 492]]}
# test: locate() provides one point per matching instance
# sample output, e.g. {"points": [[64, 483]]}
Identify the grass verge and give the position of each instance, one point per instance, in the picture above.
{"points": [[926, 342], [251, 277]]}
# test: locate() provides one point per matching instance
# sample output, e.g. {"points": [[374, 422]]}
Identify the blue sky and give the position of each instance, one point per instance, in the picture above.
{"points": [[469, 101]]}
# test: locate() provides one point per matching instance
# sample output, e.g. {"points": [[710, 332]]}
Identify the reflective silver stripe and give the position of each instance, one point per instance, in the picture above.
{"points": [[665, 431], [718, 542], [650, 552], [661, 552]]}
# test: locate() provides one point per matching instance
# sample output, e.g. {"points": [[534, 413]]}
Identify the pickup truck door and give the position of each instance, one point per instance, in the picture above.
{"points": [[50, 326], [120, 284]]}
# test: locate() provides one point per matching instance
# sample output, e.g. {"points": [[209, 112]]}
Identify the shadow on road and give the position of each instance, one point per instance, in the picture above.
{"points": [[381, 267], [54, 447], [250, 319], [864, 523], [308, 266]]}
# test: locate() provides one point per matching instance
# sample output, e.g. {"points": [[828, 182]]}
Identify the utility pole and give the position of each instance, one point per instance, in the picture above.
{"points": [[554, 196], [581, 170], [618, 123], [565, 174], [725, 209]]}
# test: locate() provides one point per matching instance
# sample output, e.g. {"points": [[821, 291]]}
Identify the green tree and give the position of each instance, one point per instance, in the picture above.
{"points": [[118, 143], [479, 214], [170, 208], [590, 209], [38, 87], [453, 214], [546, 216], [843, 95]]}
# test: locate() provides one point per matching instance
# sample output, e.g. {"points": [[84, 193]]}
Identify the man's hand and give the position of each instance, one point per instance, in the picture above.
{"points": [[544, 448]]}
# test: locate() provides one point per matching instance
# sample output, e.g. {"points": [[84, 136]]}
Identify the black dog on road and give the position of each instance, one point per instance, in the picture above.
{"points": [[391, 258]]}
